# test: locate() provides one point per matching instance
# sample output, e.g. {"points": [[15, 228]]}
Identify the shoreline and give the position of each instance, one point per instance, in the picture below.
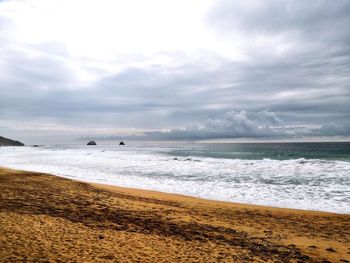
{"points": [[162, 194], [183, 197], [200, 200], [47, 217], [286, 177]]}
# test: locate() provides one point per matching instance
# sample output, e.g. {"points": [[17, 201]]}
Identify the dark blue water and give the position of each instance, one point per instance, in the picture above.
{"points": [[276, 151]]}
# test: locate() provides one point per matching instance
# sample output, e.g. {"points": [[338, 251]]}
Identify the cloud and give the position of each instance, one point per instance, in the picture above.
{"points": [[317, 21], [165, 98], [279, 55], [229, 125], [332, 129], [263, 125]]}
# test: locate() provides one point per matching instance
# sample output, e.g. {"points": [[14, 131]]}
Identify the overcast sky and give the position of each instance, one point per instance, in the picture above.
{"points": [[192, 70]]}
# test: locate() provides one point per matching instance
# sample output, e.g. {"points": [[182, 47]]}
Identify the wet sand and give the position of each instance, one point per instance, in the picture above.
{"points": [[44, 218]]}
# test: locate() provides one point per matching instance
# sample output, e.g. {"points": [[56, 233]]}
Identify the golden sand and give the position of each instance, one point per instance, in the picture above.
{"points": [[44, 218]]}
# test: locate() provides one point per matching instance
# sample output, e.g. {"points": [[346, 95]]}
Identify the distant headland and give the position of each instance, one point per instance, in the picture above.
{"points": [[8, 142]]}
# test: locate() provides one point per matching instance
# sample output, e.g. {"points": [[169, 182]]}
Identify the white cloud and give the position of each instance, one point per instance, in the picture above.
{"points": [[98, 29]]}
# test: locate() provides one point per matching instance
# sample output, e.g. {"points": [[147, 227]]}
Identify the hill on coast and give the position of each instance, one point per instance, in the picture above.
{"points": [[8, 142]]}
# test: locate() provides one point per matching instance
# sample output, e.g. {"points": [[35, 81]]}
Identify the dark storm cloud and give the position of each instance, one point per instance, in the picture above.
{"points": [[320, 20], [263, 97], [153, 99], [230, 125], [332, 129]]}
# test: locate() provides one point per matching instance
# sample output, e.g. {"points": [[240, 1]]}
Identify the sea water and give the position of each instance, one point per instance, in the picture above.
{"points": [[312, 176]]}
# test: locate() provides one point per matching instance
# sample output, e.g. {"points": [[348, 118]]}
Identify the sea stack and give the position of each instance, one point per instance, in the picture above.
{"points": [[91, 143], [121, 143]]}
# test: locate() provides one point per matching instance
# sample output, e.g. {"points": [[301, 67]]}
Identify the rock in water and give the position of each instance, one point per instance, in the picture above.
{"points": [[121, 143], [8, 142], [91, 143]]}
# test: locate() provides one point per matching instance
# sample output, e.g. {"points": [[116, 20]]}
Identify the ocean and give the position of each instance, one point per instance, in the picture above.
{"points": [[311, 176]]}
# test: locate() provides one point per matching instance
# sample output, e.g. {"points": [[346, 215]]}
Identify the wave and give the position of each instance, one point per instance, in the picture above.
{"points": [[315, 184]]}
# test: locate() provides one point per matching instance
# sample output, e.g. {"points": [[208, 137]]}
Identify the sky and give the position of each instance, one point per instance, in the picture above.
{"points": [[174, 70]]}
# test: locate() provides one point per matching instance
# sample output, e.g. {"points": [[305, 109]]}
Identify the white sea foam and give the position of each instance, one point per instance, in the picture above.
{"points": [[298, 183]]}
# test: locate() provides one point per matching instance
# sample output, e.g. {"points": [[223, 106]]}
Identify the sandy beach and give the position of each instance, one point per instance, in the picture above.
{"points": [[45, 218]]}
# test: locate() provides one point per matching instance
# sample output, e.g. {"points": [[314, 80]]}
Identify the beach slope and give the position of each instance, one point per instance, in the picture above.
{"points": [[47, 218]]}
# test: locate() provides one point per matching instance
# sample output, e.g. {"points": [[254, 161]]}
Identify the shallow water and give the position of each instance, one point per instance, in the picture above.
{"points": [[312, 176]]}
